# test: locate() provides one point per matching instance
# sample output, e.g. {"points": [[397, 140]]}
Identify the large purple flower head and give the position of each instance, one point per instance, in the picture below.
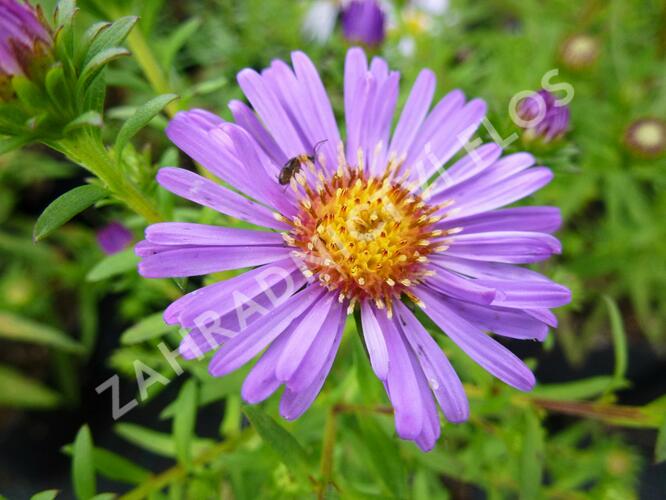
{"points": [[364, 21], [24, 38], [356, 226], [543, 116]]}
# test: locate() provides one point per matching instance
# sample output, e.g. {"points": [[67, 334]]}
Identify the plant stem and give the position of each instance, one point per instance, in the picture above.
{"points": [[87, 150], [150, 67], [328, 447]]}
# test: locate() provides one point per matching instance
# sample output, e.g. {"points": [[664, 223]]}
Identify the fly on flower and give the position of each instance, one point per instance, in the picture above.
{"points": [[358, 230]]}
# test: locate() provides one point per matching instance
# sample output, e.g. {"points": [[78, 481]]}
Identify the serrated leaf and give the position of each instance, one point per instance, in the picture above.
{"points": [[184, 421], [110, 37], [83, 465], [115, 467], [20, 329], [148, 328], [289, 451], [66, 206], [19, 391], [45, 495], [93, 68], [619, 339], [531, 468], [140, 119], [157, 442], [113, 265]]}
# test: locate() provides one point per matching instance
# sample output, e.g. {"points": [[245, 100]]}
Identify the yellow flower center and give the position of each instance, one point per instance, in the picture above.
{"points": [[366, 237]]}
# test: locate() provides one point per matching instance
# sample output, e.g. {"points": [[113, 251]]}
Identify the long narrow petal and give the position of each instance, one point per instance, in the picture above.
{"points": [[185, 233], [488, 353], [374, 341], [401, 383], [183, 262], [207, 193], [249, 342], [513, 247], [459, 287], [442, 378], [537, 219]]}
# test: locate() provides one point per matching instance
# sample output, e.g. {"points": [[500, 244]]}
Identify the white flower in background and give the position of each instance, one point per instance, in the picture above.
{"points": [[434, 7], [319, 21]]}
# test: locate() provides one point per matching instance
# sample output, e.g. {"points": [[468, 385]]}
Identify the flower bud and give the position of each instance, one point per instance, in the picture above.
{"points": [[113, 238], [364, 21], [25, 43], [542, 116], [579, 51]]}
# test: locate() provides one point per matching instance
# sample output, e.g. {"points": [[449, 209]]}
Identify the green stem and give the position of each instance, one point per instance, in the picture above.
{"points": [[88, 151], [326, 467], [150, 67]]}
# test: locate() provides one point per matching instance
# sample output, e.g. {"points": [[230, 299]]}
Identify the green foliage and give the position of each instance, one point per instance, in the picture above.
{"points": [[83, 465]]}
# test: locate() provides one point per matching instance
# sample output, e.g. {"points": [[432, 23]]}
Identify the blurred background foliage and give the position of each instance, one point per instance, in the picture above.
{"points": [[70, 316]]}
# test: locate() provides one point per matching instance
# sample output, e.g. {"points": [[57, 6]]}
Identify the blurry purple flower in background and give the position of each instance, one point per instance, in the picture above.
{"points": [[545, 118], [364, 21], [113, 238], [23, 38], [360, 227]]}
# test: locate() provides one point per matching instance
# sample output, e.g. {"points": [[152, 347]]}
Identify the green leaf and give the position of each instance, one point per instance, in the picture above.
{"points": [[619, 338], [660, 445], [45, 495], [148, 328], [140, 119], [177, 39], [184, 421], [290, 452], [56, 87], [20, 329], [112, 265], [7, 145], [83, 465], [105, 496], [18, 391], [531, 470], [110, 37], [96, 65], [64, 12], [66, 206], [115, 467], [88, 119], [29, 93], [157, 442]]}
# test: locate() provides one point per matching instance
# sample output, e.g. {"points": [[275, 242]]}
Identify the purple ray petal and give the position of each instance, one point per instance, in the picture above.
{"points": [[374, 341], [537, 219], [490, 270], [246, 118], [488, 353], [401, 383], [249, 342], [414, 112], [205, 260], [528, 295], [459, 287], [513, 247], [430, 428], [303, 337], [205, 192], [443, 380], [464, 171], [184, 233]]}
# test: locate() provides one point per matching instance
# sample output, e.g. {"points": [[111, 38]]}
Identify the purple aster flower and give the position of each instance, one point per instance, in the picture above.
{"points": [[23, 36], [113, 238], [543, 116], [356, 227], [364, 21]]}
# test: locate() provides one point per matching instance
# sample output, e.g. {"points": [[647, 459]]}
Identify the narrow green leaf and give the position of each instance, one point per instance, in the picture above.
{"points": [[96, 65], [619, 338], [140, 119], [148, 328], [7, 145], [20, 329], [66, 206], [176, 39], [579, 389], [157, 442], [89, 118], [56, 88], [184, 421], [64, 12], [45, 495], [290, 452], [83, 465], [110, 37], [112, 265], [531, 470], [29, 93], [115, 467], [18, 391], [660, 445]]}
